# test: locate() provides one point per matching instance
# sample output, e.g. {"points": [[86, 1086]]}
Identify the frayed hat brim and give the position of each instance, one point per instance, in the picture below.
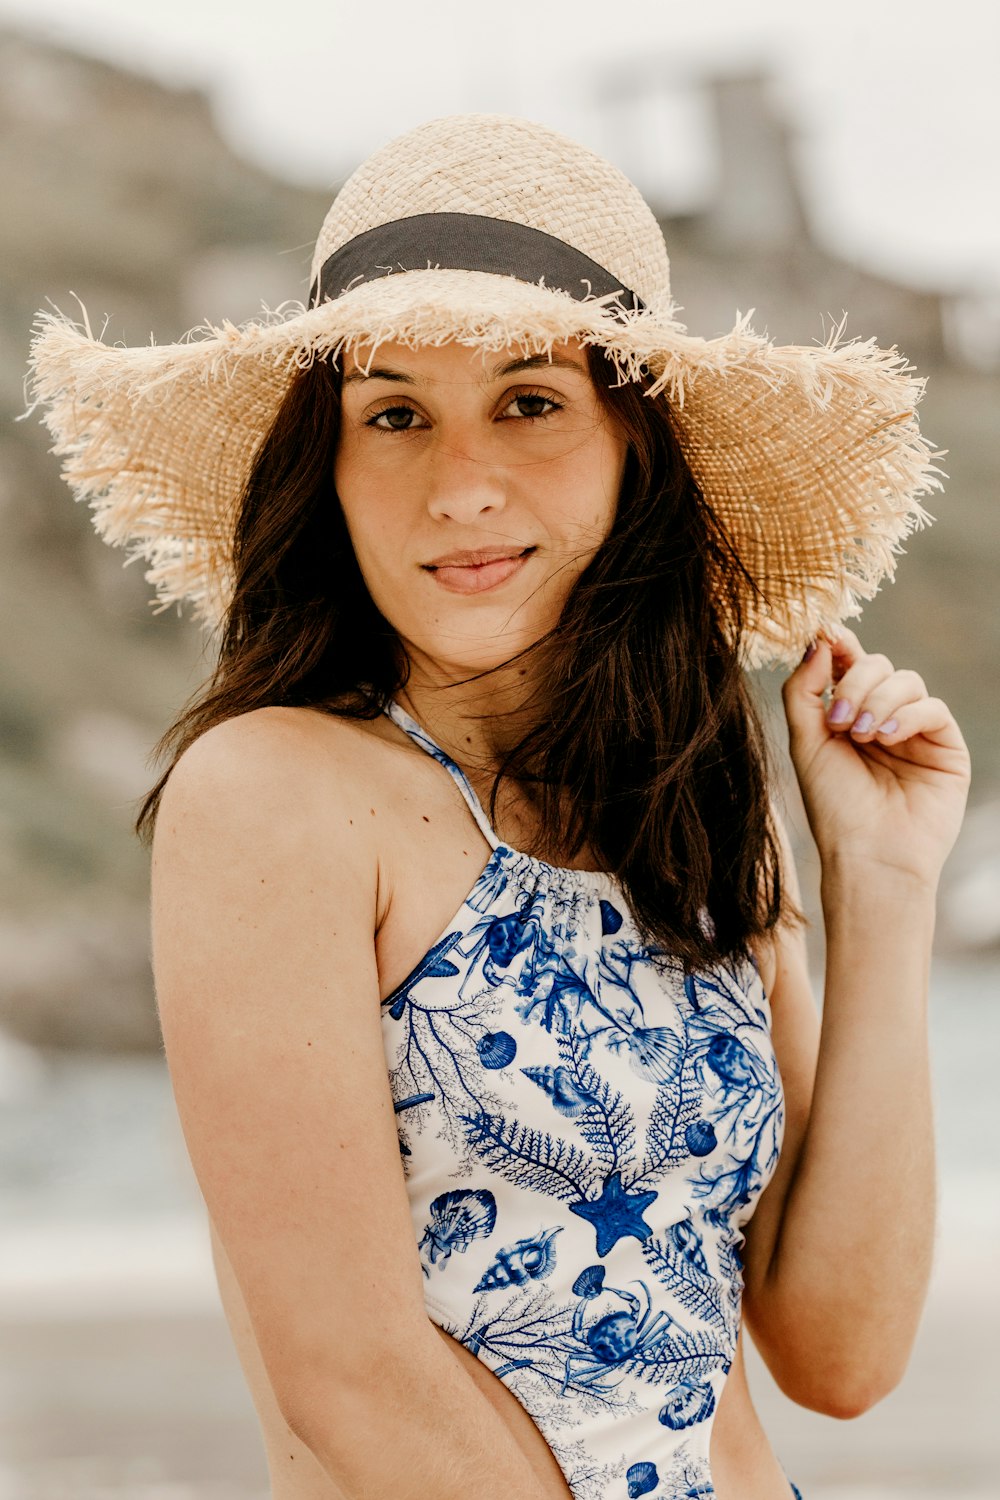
{"points": [[811, 456]]}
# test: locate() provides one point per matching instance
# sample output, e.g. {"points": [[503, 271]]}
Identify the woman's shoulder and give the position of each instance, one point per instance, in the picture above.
{"points": [[275, 738], [275, 766]]}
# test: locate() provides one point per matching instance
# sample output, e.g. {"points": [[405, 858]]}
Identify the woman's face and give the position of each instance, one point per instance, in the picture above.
{"points": [[476, 487]]}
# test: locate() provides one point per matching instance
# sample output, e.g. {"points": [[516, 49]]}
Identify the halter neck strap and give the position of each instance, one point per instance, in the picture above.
{"points": [[402, 719]]}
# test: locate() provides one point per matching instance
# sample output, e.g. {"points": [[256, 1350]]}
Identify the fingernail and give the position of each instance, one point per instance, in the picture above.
{"points": [[810, 651], [889, 727], [840, 711], [863, 723]]}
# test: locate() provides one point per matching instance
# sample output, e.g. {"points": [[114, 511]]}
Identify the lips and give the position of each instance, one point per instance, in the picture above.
{"points": [[475, 571], [476, 557]]}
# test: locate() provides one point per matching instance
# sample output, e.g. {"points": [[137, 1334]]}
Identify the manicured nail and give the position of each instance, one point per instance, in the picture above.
{"points": [[810, 651], [840, 711], [863, 723], [889, 727]]}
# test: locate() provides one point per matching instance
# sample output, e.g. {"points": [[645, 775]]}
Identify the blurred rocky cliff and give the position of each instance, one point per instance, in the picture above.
{"points": [[121, 190]]}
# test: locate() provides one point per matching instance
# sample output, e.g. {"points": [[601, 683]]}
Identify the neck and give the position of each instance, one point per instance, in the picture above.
{"points": [[474, 722]]}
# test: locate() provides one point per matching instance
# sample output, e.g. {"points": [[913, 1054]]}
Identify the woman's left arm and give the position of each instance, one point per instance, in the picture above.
{"points": [[838, 1256]]}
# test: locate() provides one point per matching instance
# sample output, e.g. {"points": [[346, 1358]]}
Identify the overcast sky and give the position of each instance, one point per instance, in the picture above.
{"points": [[896, 100]]}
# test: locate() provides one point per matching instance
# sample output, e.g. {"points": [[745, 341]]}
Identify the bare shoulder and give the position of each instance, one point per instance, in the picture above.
{"points": [[282, 756], [263, 827], [288, 783]]}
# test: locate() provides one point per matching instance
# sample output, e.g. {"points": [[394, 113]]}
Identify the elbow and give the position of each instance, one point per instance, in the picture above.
{"points": [[333, 1405], [844, 1391], [314, 1415], [828, 1361], [845, 1402], [318, 1400], [332, 1424]]}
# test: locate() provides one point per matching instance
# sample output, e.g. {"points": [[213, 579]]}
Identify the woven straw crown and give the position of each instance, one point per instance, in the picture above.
{"points": [[810, 456], [507, 169]]}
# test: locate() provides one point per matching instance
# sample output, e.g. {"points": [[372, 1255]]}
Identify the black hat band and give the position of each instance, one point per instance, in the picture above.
{"points": [[467, 242]]}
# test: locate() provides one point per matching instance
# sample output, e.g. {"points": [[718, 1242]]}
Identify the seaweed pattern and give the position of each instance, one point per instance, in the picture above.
{"points": [[530, 1158], [695, 1290], [606, 1123], [669, 1119]]}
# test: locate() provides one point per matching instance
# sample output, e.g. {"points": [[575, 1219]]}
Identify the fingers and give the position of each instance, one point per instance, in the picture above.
{"points": [[930, 717], [873, 700], [845, 650], [804, 692], [870, 695], [868, 692]]}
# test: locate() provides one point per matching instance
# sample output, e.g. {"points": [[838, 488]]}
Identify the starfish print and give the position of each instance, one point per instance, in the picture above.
{"points": [[616, 1213]]}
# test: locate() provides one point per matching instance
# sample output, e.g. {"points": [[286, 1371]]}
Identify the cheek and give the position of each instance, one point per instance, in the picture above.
{"points": [[611, 466], [350, 478], [368, 511], [588, 487]]}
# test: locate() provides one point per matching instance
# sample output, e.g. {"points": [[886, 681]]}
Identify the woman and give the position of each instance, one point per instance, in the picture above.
{"points": [[478, 956]]}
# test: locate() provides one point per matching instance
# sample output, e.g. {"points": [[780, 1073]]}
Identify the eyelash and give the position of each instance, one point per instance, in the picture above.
{"points": [[554, 406]]}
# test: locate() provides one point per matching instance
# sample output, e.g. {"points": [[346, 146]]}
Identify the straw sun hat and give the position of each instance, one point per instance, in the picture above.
{"points": [[492, 230]]}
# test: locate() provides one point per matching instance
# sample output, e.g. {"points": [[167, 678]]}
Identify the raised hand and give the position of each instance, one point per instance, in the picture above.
{"points": [[883, 768]]}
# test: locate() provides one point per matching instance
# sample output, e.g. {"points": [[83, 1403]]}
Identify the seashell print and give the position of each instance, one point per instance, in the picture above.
{"points": [[689, 1401], [456, 1219], [611, 919], [496, 1049], [656, 1053], [687, 1241], [559, 1084], [589, 1282], [529, 1259], [700, 1137], [641, 1479]]}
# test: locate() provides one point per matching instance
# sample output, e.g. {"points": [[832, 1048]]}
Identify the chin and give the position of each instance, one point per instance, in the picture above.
{"points": [[486, 656], [464, 655]]}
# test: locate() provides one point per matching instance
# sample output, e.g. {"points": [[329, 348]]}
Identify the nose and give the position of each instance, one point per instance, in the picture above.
{"points": [[462, 486]]}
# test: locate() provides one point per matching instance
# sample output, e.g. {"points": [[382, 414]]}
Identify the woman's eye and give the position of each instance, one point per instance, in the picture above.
{"points": [[526, 406], [534, 405], [398, 419]]}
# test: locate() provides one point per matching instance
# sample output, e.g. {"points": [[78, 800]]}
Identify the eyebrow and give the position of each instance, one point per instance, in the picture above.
{"points": [[511, 367]]}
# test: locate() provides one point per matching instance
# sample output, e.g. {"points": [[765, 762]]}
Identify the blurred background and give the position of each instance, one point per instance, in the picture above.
{"points": [[173, 165]]}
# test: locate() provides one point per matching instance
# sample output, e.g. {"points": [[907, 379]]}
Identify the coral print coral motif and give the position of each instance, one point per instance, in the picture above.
{"points": [[584, 1130]]}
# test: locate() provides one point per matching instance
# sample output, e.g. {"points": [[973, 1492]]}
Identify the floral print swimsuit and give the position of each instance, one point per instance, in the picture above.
{"points": [[583, 1133]]}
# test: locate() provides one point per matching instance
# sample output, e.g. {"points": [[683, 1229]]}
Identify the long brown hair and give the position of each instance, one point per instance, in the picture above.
{"points": [[647, 749]]}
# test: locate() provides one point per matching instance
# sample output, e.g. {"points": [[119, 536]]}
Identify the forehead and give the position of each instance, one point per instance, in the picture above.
{"points": [[453, 361]]}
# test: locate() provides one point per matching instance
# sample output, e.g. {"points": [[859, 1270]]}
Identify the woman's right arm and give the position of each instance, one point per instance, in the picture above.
{"points": [[265, 890]]}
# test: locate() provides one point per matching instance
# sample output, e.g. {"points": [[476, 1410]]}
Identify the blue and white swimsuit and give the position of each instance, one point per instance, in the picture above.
{"points": [[583, 1132]]}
